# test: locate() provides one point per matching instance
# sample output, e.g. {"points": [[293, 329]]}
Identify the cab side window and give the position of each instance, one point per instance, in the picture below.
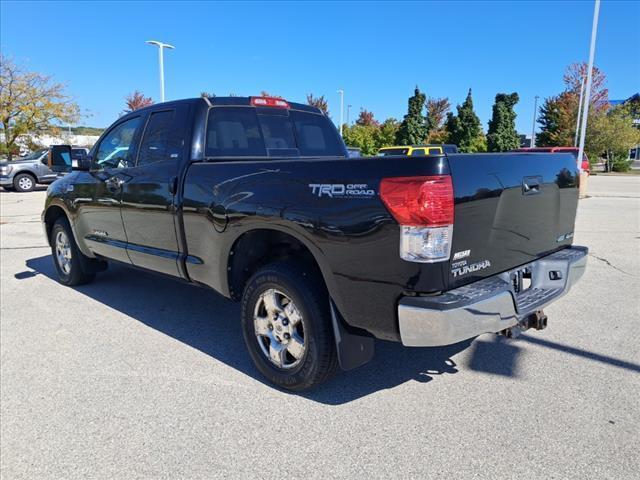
{"points": [[163, 137], [116, 149]]}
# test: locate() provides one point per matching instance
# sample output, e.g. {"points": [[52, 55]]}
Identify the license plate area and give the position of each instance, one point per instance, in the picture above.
{"points": [[520, 279]]}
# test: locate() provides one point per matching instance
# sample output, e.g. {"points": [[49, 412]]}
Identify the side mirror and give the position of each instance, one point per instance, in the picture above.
{"points": [[84, 163], [60, 158]]}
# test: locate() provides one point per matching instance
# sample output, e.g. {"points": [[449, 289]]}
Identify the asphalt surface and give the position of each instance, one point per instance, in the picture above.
{"points": [[138, 376]]}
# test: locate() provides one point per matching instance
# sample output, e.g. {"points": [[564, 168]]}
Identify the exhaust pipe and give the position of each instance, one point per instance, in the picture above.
{"points": [[537, 320]]}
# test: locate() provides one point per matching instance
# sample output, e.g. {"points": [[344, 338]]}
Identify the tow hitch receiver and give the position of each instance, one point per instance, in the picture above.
{"points": [[537, 320]]}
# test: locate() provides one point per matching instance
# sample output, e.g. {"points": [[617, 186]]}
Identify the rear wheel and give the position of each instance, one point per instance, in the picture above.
{"points": [[287, 327], [23, 182], [67, 256]]}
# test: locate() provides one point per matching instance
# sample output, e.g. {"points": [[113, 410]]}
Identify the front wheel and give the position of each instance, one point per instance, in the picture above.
{"points": [[287, 327], [23, 182], [67, 255]]}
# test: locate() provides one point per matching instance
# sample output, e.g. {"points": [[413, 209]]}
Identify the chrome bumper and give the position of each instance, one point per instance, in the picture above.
{"points": [[489, 305]]}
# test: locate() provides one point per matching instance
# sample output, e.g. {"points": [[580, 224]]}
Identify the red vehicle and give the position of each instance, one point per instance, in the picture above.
{"points": [[585, 159]]}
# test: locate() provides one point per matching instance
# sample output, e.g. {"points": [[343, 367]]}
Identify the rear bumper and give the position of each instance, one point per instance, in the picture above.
{"points": [[489, 305]]}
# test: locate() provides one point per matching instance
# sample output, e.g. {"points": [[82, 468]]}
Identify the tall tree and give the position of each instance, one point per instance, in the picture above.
{"points": [[362, 137], [414, 129], [366, 118], [558, 121], [136, 101], [318, 102], [502, 135], [576, 74], [30, 103], [437, 109], [612, 134], [386, 133], [267, 94], [464, 128]]}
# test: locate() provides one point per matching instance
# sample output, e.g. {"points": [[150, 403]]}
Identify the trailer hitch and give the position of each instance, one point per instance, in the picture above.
{"points": [[536, 320]]}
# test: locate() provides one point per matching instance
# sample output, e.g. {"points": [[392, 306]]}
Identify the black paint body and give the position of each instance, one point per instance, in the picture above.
{"points": [[184, 217]]}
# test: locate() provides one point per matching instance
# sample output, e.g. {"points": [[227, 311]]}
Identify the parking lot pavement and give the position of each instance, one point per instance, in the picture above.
{"points": [[140, 376]]}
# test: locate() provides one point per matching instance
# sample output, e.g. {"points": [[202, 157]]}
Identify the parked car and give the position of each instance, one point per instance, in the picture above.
{"points": [[257, 199], [22, 175], [409, 150], [573, 150]]}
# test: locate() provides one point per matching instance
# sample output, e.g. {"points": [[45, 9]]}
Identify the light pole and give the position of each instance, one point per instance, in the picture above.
{"points": [[535, 114], [161, 46], [341, 92], [348, 112], [575, 141], [587, 97]]}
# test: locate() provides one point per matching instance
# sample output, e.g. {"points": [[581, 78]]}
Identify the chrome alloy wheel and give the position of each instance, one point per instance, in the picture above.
{"points": [[25, 183], [279, 329], [63, 252]]}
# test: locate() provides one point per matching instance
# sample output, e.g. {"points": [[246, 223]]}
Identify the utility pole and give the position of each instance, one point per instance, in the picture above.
{"points": [[575, 142], [535, 115], [161, 46], [348, 112], [587, 97], [341, 92]]}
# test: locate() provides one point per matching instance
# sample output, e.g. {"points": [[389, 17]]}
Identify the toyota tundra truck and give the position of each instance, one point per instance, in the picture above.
{"points": [[257, 199]]}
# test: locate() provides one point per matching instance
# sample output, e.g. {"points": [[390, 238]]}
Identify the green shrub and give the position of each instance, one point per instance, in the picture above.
{"points": [[620, 164]]}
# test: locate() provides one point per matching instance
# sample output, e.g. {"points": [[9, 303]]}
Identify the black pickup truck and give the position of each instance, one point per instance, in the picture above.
{"points": [[257, 199]]}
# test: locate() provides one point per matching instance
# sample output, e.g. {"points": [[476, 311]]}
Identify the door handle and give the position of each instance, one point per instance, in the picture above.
{"points": [[114, 183], [531, 185]]}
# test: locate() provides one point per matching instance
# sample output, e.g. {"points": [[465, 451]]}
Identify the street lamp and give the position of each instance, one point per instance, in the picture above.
{"points": [[575, 142], [348, 112], [161, 46], [587, 96], [341, 92], [533, 130]]}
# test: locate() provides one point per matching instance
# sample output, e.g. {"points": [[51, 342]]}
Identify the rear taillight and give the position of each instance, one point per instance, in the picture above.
{"points": [[269, 102], [423, 206]]}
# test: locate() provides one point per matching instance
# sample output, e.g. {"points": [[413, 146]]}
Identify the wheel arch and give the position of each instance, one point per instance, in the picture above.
{"points": [[53, 211], [260, 245], [26, 172]]}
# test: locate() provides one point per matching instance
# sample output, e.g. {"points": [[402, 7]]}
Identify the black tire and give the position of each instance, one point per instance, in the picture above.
{"points": [[71, 274], [24, 182], [308, 294]]}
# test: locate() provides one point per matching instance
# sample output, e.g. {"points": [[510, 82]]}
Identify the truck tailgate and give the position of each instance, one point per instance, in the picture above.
{"points": [[510, 209]]}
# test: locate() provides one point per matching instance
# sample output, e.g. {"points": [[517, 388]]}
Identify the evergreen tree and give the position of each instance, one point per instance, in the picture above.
{"points": [[464, 129], [502, 135], [413, 129]]}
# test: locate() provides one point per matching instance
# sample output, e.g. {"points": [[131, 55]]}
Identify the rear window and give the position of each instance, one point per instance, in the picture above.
{"points": [[251, 132], [393, 151]]}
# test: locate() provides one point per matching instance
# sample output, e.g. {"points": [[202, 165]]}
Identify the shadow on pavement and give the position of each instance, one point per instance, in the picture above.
{"points": [[37, 188], [208, 322]]}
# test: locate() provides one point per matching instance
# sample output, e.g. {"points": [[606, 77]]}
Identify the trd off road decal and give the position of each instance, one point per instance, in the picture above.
{"points": [[342, 190]]}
